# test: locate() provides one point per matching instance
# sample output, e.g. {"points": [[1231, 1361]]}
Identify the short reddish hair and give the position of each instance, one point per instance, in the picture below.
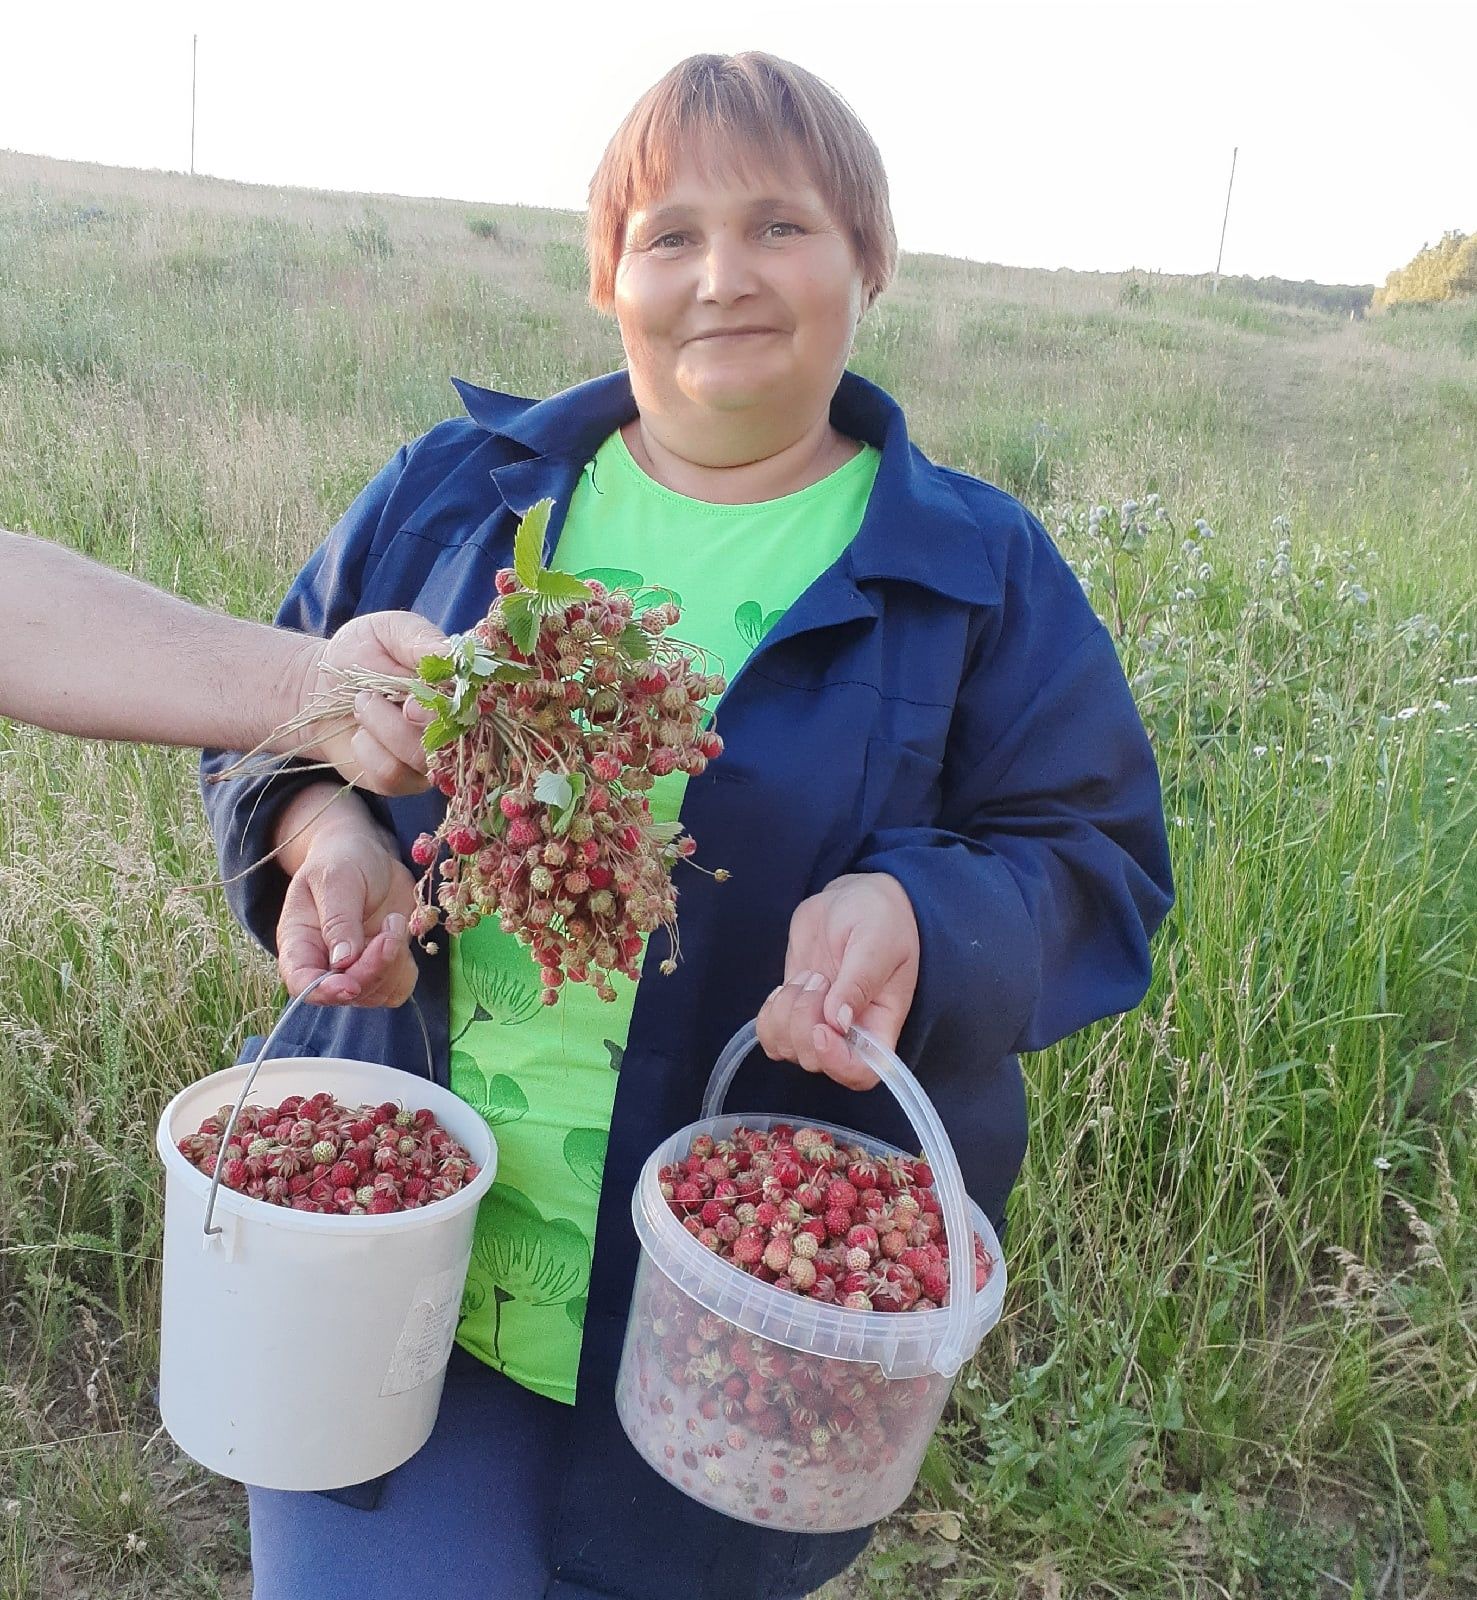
{"points": [[749, 110]]}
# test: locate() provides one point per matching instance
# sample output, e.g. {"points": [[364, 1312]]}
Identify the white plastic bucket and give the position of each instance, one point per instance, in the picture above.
{"points": [[697, 1323], [307, 1351]]}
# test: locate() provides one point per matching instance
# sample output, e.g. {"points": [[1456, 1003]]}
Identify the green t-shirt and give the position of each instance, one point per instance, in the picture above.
{"points": [[544, 1077]]}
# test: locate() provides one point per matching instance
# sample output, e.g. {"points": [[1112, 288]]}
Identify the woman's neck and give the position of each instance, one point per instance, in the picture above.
{"points": [[817, 453]]}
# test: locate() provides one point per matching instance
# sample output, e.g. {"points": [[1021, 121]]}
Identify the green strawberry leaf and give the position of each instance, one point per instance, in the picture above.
{"points": [[635, 643], [522, 620], [554, 789], [442, 731], [436, 669], [511, 672], [528, 545], [561, 587], [565, 816], [464, 653], [428, 696]]}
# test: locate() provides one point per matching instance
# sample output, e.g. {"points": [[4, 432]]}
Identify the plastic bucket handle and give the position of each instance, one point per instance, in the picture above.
{"points": [[937, 1150], [261, 1055]]}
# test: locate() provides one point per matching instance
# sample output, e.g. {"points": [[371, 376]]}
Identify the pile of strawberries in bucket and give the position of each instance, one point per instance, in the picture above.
{"points": [[814, 1218], [759, 1429], [313, 1154]]}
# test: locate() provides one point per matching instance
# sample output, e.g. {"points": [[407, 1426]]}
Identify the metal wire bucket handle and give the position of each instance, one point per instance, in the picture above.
{"points": [[262, 1054]]}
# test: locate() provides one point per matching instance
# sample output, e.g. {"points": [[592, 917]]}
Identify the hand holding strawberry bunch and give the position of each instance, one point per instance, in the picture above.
{"points": [[549, 723]]}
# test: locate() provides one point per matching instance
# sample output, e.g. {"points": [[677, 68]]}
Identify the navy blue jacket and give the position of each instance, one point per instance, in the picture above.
{"points": [[940, 704]]}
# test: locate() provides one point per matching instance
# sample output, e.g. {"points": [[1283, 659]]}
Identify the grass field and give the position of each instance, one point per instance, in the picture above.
{"points": [[1240, 1353]]}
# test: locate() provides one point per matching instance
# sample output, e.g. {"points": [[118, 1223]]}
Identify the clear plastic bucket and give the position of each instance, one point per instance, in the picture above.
{"points": [[297, 1350], [848, 1400]]}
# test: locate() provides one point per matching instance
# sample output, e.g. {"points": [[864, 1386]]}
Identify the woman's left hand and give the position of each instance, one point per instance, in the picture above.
{"points": [[852, 958]]}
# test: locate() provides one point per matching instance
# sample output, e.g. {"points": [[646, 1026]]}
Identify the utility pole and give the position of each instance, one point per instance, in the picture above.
{"points": [[1215, 286], [194, 53]]}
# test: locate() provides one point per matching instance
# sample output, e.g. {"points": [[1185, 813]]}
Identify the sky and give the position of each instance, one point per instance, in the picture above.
{"points": [[1098, 137]]}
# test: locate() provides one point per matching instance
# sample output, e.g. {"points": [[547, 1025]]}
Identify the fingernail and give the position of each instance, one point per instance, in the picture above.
{"points": [[341, 952], [361, 700], [843, 1018], [395, 925], [773, 992], [821, 1037], [800, 979], [817, 980], [418, 713]]}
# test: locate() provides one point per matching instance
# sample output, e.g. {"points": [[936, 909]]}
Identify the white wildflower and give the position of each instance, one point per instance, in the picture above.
{"points": [[1258, 750], [1382, 1163]]}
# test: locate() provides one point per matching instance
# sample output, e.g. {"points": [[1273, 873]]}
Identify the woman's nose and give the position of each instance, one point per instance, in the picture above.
{"points": [[727, 271]]}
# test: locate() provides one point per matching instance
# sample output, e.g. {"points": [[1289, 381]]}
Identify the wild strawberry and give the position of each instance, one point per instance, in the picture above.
{"points": [[777, 1254], [864, 1237], [840, 1195], [234, 1174], [858, 1259], [423, 851], [748, 1248], [838, 1221], [802, 1273], [523, 834], [935, 1283], [857, 1301], [325, 1152], [862, 1174], [804, 1245]]}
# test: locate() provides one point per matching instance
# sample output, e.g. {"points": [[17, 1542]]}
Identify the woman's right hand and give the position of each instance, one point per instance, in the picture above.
{"points": [[347, 906]]}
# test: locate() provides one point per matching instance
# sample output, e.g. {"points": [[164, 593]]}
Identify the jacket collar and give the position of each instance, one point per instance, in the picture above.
{"points": [[917, 528]]}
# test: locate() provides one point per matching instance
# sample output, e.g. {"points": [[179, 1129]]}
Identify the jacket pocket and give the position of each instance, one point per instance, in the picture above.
{"points": [[900, 787]]}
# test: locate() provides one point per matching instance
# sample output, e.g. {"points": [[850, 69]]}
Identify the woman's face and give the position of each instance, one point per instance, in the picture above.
{"points": [[736, 294]]}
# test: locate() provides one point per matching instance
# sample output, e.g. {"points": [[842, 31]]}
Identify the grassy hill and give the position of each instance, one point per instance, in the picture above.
{"points": [[1241, 1350]]}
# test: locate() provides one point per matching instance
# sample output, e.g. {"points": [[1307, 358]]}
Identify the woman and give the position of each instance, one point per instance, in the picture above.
{"points": [[937, 806]]}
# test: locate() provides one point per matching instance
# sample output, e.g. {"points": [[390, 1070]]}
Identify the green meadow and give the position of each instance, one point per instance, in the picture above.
{"points": [[1240, 1350]]}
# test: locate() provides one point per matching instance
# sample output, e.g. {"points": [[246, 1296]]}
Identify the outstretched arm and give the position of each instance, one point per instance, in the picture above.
{"points": [[89, 651]]}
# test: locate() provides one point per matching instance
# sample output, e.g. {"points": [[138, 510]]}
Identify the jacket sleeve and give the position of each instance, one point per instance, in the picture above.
{"points": [[243, 812], [1048, 870]]}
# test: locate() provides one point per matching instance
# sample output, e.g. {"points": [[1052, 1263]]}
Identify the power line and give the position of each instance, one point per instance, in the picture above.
{"points": [[194, 54], [1215, 286]]}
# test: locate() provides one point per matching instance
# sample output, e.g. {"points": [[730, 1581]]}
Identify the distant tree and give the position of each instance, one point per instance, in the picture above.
{"points": [[1443, 271]]}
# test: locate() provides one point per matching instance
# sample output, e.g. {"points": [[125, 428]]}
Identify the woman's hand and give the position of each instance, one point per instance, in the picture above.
{"points": [[852, 958], [347, 906], [382, 751]]}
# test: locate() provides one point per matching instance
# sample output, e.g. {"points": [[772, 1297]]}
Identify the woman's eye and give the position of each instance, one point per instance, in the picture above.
{"points": [[669, 241], [782, 230]]}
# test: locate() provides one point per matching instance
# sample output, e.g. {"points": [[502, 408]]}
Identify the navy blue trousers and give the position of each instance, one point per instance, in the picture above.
{"points": [[471, 1516]]}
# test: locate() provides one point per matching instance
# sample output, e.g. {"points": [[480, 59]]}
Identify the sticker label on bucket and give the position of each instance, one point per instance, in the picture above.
{"points": [[425, 1341]]}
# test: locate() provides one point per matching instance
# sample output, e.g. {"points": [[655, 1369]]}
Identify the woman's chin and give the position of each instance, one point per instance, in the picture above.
{"points": [[726, 393]]}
